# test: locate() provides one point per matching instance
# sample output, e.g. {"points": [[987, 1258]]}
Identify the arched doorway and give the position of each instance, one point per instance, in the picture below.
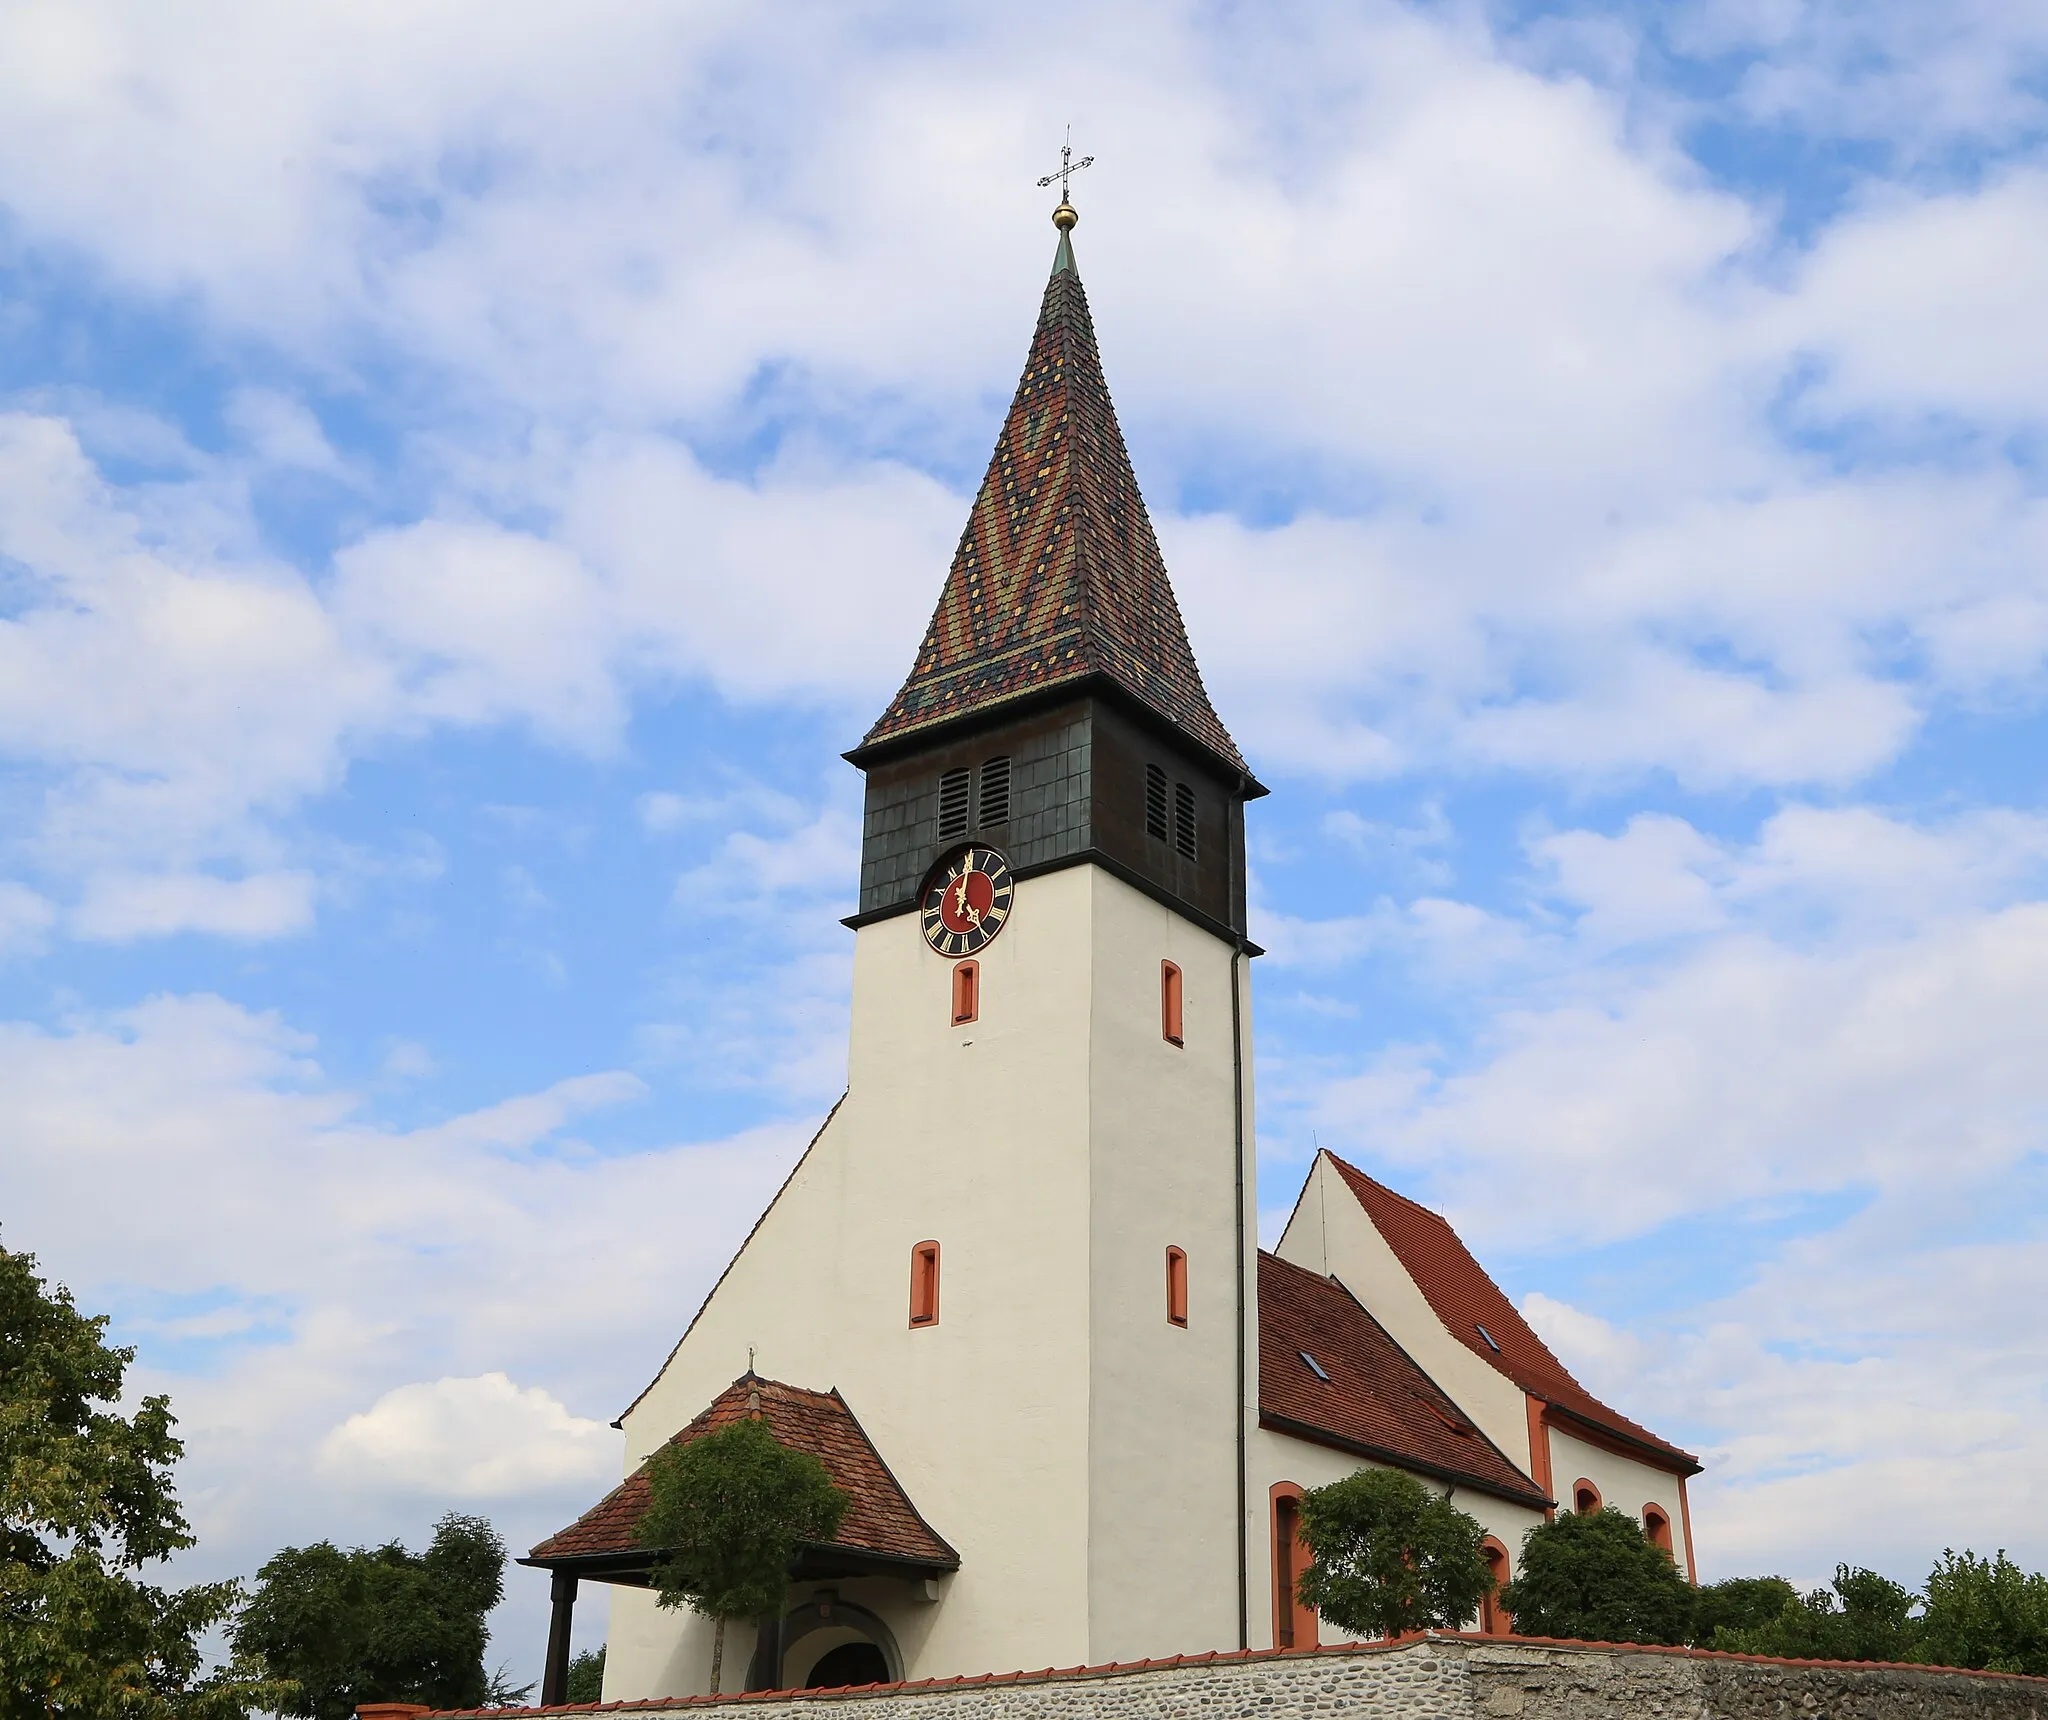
{"points": [[848, 1664], [829, 1643]]}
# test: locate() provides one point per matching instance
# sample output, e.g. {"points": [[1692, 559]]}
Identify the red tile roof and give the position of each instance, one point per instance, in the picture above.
{"points": [[1058, 576], [879, 1518], [1375, 1400], [1465, 1299]]}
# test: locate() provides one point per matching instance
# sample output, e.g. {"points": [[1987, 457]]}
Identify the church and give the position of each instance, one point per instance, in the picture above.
{"points": [[1012, 1295]]}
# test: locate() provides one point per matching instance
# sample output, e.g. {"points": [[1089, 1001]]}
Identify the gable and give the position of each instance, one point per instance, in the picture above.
{"points": [[1477, 1313], [1363, 1393]]}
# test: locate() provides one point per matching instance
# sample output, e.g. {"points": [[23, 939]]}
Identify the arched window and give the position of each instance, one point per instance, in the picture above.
{"points": [[1294, 1625], [966, 992], [924, 1284], [1585, 1496], [1494, 1619], [1177, 1286], [1657, 1526], [1171, 1027]]}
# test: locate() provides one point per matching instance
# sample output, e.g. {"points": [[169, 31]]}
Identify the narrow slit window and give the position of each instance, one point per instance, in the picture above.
{"points": [[1171, 1025], [1184, 819], [953, 798], [924, 1284], [995, 792], [1177, 1286], [1155, 802], [966, 993]]}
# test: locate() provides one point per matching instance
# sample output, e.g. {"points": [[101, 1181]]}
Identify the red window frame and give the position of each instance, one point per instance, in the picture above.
{"points": [[924, 1284]]}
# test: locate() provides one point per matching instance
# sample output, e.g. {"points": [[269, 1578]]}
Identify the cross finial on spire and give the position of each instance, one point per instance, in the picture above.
{"points": [[1065, 215]]}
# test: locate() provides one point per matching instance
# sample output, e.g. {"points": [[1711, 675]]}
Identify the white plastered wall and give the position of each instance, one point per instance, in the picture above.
{"points": [[1623, 1482], [1277, 1457], [1163, 1400], [1330, 1233], [1077, 1451]]}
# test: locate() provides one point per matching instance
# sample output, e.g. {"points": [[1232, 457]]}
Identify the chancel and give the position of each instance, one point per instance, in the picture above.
{"points": [[1011, 1296]]}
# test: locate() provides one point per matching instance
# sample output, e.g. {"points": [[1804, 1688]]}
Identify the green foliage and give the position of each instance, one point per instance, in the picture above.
{"points": [[85, 1501], [1390, 1555], [1864, 1617], [586, 1676], [1738, 1604], [1594, 1576], [379, 1624], [728, 1512], [1985, 1613]]}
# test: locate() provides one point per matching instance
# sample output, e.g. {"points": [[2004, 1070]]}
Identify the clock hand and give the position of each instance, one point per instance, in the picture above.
{"points": [[966, 909]]}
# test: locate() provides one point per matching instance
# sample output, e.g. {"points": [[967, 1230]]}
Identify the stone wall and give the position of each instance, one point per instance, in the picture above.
{"points": [[1437, 1678]]}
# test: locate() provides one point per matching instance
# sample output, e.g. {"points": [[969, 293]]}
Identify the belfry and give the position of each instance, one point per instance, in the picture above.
{"points": [[1011, 1296]]}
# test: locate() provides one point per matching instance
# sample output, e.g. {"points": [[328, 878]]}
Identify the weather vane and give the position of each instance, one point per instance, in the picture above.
{"points": [[1068, 166]]}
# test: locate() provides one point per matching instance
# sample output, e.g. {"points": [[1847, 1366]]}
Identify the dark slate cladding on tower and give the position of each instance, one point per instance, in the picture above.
{"points": [[1056, 666], [1077, 792]]}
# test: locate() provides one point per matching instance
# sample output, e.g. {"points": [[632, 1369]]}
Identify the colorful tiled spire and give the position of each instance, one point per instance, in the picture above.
{"points": [[1058, 576]]}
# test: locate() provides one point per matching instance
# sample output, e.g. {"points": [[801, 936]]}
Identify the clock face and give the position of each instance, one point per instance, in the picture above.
{"points": [[967, 902]]}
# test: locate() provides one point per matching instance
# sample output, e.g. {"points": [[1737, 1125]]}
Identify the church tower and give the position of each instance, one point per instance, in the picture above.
{"points": [[1019, 1255]]}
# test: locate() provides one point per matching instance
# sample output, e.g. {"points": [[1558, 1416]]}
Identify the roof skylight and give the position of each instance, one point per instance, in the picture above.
{"points": [[1315, 1367], [1492, 1343]]}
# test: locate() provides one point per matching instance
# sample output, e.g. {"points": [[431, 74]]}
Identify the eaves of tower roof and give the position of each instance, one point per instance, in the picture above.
{"points": [[1473, 1308], [1364, 1393], [1058, 577], [880, 1521]]}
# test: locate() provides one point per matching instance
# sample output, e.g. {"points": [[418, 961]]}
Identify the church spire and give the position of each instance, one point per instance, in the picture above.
{"points": [[1058, 577]]}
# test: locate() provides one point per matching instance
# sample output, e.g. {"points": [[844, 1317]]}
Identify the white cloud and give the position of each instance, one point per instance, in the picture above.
{"points": [[477, 1438], [188, 1165], [281, 431], [25, 918], [1850, 1007], [120, 906]]}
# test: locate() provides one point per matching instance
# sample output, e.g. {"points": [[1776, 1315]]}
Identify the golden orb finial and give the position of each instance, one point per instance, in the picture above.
{"points": [[1065, 216]]}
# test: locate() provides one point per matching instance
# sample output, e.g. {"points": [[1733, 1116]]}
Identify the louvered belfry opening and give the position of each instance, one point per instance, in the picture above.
{"points": [[1155, 802], [995, 793], [954, 798], [1184, 820]]}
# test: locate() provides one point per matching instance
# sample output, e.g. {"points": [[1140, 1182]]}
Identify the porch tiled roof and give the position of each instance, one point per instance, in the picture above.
{"points": [[880, 1518]]}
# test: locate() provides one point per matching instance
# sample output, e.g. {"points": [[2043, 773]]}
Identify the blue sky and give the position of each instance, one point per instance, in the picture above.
{"points": [[467, 471]]}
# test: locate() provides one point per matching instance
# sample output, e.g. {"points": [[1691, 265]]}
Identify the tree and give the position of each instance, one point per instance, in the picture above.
{"points": [[727, 1513], [379, 1624], [586, 1676], [1738, 1604], [1985, 1613], [1595, 1576], [86, 1500], [1391, 1555], [1864, 1617]]}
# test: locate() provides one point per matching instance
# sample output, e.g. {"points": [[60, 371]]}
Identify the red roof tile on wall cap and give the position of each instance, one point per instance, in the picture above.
{"points": [[1464, 1298], [879, 1516], [1421, 1642], [1375, 1400], [1058, 577]]}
